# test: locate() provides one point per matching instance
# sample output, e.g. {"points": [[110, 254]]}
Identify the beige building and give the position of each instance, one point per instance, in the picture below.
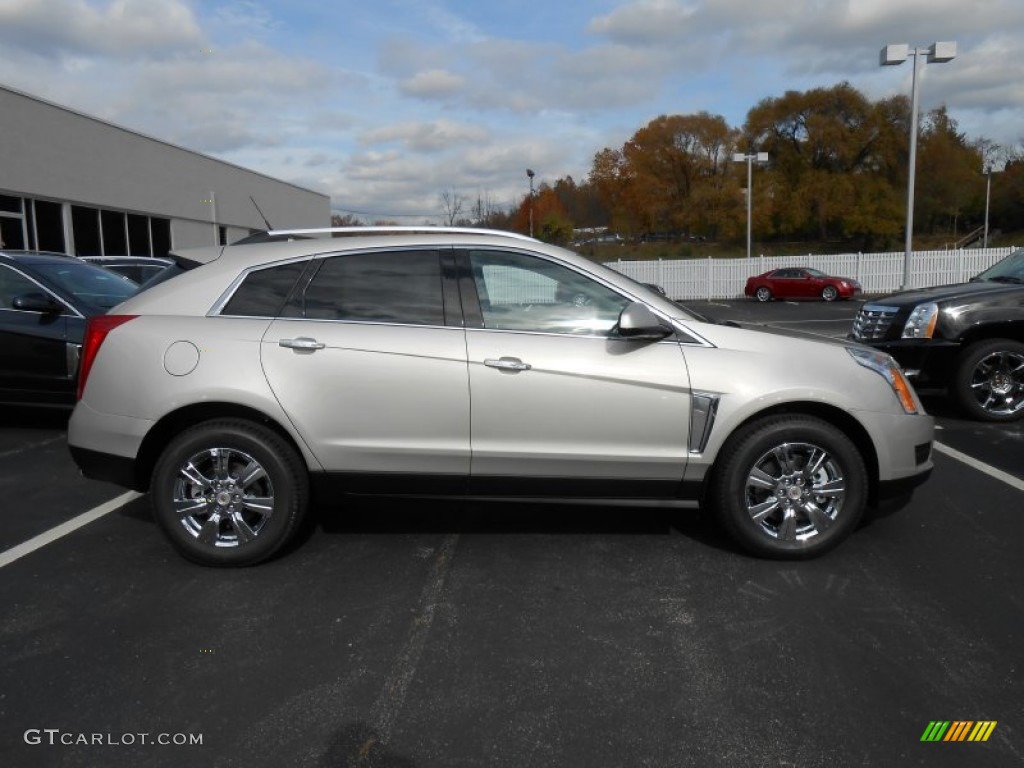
{"points": [[76, 184]]}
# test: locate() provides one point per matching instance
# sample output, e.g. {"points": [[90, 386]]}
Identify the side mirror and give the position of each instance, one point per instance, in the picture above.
{"points": [[37, 302], [636, 321]]}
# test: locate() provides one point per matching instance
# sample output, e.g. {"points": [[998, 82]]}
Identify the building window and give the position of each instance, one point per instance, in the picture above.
{"points": [[161, 230], [49, 226], [85, 223], [10, 204], [12, 223], [138, 235], [115, 240]]}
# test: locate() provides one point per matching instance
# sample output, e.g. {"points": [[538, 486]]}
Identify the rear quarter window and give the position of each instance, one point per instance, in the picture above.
{"points": [[263, 292]]}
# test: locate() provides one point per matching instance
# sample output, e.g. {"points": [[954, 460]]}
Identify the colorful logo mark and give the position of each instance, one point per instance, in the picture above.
{"points": [[958, 730]]}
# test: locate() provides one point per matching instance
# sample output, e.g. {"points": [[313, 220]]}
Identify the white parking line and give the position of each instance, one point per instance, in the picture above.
{"points": [[17, 552], [1011, 480], [30, 446]]}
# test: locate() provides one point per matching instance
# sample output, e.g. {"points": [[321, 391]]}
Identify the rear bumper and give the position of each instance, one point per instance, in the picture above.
{"points": [[107, 467]]}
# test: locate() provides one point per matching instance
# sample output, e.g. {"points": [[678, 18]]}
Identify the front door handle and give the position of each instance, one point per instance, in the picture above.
{"points": [[507, 364], [303, 343]]}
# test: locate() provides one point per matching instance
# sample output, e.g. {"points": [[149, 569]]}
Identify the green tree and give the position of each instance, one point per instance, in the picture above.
{"points": [[949, 175]]}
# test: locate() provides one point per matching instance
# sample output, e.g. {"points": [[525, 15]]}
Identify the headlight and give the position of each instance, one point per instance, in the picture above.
{"points": [[921, 323], [888, 369]]}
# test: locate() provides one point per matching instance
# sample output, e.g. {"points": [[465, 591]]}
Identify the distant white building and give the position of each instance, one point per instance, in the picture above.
{"points": [[76, 184]]}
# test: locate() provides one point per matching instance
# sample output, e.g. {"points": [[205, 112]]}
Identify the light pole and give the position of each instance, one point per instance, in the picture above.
{"points": [[530, 174], [892, 55], [988, 197], [761, 158]]}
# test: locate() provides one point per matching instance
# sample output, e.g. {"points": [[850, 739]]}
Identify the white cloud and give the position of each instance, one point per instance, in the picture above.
{"points": [[432, 84], [118, 29], [645, 22], [428, 136]]}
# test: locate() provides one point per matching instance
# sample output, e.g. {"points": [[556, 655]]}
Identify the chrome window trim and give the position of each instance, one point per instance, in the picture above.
{"points": [[696, 339], [229, 292], [548, 334], [283, 319]]}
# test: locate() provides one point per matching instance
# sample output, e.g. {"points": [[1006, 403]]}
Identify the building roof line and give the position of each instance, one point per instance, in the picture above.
{"points": [[165, 142]]}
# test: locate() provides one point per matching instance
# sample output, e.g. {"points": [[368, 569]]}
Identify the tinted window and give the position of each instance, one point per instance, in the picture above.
{"points": [[93, 285], [12, 285], [264, 291], [392, 287], [525, 293]]}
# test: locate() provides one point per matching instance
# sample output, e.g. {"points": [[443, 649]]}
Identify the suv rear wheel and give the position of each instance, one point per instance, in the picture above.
{"points": [[989, 381], [789, 487], [229, 493]]}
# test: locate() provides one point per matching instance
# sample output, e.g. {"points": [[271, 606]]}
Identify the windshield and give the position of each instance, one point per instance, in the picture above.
{"points": [[1009, 270], [93, 285]]}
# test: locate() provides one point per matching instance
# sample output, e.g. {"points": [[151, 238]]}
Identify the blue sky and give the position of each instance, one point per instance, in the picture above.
{"points": [[385, 104]]}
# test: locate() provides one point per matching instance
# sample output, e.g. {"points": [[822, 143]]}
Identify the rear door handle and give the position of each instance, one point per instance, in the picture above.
{"points": [[507, 364], [303, 343]]}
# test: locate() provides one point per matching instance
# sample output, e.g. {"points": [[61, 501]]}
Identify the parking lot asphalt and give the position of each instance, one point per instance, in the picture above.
{"points": [[468, 634]]}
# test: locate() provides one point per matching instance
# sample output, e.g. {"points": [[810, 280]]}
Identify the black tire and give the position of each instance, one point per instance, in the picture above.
{"points": [[798, 526], [989, 380], [763, 294], [201, 484], [829, 293]]}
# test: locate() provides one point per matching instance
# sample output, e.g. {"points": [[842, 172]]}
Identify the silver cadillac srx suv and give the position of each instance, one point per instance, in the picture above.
{"points": [[455, 362]]}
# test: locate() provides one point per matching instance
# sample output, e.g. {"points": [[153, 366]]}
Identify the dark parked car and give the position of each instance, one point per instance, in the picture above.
{"points": [[968, 338], [45, 299], [800, 283], [137, 268]]}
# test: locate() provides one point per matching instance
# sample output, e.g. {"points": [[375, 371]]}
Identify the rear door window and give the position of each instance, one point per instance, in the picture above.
{"points": [[400, 287]]}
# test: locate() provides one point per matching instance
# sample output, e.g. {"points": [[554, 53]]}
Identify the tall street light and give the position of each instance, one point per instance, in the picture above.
{"points": [[892, 55], [530, 174], [988, 197], [761, 158]]}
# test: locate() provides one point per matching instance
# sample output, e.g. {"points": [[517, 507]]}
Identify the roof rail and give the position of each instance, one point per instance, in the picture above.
{"points": [[400, 229]]}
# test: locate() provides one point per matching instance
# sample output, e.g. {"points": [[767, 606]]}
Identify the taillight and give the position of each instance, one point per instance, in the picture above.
{"points": [[96, 330]]}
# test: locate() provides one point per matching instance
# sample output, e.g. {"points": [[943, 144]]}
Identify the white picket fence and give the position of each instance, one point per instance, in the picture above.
{"points": [[876, 272]]}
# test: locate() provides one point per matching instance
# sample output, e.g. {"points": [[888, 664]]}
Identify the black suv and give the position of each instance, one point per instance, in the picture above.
{"points": [[968, 338]]}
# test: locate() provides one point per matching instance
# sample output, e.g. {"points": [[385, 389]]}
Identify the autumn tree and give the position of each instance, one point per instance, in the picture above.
{"points": [[671, 175], [551, 222], [832, 174]]}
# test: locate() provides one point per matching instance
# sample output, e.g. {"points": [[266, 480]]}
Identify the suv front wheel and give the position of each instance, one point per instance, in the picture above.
{"points": [[789, 487], [229, 493], [989, 381]]}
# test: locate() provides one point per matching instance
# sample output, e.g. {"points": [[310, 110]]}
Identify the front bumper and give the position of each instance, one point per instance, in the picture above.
{"points": [[929, 362], [903, 444]]}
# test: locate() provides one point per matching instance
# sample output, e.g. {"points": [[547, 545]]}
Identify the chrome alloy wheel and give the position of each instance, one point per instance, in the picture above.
{"points": [[795, 491], [997, 383], [223, 497]]}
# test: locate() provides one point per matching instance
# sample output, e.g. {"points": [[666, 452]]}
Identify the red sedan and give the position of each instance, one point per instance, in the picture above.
{"points": [[800, 283]]}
